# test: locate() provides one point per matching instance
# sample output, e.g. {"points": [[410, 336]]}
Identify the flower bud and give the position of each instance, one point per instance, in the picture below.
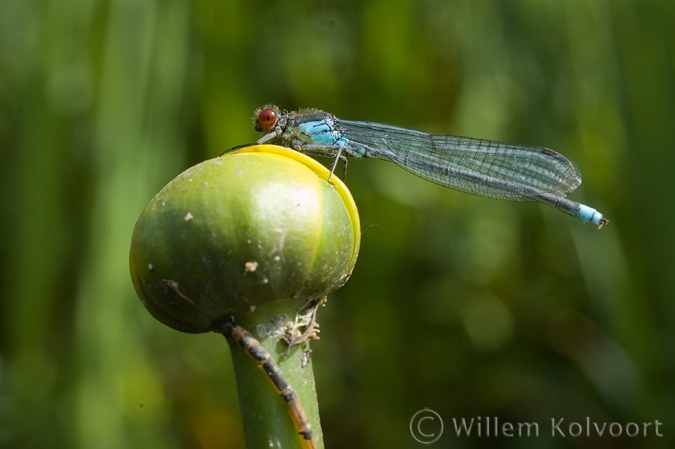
{"points": [[257, 225]]}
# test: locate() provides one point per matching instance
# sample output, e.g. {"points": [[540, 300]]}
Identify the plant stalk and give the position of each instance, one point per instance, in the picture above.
{"points": [[265, 414]]}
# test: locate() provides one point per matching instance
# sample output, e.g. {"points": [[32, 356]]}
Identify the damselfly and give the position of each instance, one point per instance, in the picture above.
{"points": [[481, 167]]}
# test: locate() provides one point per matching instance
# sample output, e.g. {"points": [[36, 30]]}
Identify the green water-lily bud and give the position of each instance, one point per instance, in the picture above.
{"points": [[257, 225]]}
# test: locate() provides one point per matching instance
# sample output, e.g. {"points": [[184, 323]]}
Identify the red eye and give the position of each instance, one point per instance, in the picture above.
{"points": [[266, 120]]}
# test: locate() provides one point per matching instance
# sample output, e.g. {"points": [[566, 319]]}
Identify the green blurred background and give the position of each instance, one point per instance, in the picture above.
{"points": [[469, 306]]}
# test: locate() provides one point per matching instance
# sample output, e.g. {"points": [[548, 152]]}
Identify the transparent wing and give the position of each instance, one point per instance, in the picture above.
{"points": [[481, 167]]}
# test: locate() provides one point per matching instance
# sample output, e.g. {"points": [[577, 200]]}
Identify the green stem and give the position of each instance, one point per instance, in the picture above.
{"points": [[267, 422]]}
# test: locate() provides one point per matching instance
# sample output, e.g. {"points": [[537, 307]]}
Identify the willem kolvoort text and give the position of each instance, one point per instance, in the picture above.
{"points": [[486, 426]]}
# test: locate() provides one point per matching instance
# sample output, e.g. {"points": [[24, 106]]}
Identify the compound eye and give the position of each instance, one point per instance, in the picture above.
{"points": [[266, 120]]}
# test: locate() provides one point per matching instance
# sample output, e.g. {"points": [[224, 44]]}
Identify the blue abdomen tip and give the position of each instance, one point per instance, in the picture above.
{"points": [[590, 215]]}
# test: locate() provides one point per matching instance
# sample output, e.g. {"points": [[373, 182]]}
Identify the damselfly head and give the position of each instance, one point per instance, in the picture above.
{"points": [[265, 120]]}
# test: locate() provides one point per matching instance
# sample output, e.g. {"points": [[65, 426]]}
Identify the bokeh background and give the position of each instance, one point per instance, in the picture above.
{"points": [[469, 306]]}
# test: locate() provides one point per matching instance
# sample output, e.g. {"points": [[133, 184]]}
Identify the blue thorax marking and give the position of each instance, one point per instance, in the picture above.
{"points": [[322, 132]]}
